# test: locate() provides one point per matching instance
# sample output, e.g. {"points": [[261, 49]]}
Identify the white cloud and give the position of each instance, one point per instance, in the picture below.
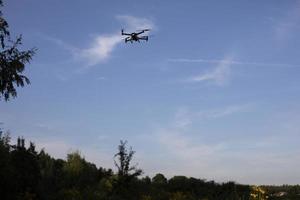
{"points": [[231, 62], [103, 45], [219, 76], [222, 73], [189, 155], [101, 49], [101, 78], [73, 50], [241, 159], [229, 110], [183, 146], [185, 117], [182, 118]]}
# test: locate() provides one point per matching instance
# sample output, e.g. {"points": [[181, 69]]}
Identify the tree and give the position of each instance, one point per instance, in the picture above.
{"points": [[5, 166], [159, 179], [26, 171], [159, 187], [179, 183], [124, 157], [12, 61], [127, 173]]}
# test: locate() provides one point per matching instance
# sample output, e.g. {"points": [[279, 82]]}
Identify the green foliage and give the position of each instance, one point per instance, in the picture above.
{"points": [[19, 168], [127, 174], [74, 165], [124, 157], [159, 179], [26, 174], [180, 196], [12, 61], [5, 166]]}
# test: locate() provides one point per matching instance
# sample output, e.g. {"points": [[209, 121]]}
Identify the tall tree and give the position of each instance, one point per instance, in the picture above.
{"points": [[12, 61], [127, 173], [123, 163], [26, 171], [5, 166]]}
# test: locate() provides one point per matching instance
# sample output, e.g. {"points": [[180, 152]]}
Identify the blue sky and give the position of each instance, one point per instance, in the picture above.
{"points": [[213, 94]]}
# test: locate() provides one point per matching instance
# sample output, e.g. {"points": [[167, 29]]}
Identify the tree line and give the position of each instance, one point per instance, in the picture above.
{"points": [[28, 174]]}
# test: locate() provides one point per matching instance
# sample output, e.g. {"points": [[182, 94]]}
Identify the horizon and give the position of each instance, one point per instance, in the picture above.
{"points": [[214, 93]]}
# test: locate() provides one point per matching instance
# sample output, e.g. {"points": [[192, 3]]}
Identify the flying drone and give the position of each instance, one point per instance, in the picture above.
{"points": [[135, 36]]}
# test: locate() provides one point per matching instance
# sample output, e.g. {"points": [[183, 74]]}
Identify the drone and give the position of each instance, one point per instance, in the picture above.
{"points": [[134, 36]]}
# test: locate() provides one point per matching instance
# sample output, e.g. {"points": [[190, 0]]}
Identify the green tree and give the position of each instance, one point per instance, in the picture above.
{"points": [[26, 172], [127, 174], [124, 157], [179, 183], [80, 177], [159, 179], [12, 61], [5, 166], [51, 171]]}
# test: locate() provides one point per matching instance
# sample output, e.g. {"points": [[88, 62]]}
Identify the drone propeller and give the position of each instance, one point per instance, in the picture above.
{"points": [[147, 29]]}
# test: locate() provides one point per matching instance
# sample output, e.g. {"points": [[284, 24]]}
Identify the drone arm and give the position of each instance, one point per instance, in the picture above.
{"points": [[122, 32], [143, 31], [143, 38]]}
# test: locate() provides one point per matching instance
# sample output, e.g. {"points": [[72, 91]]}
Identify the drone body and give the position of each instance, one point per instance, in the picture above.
{"points": [[135, 36]]}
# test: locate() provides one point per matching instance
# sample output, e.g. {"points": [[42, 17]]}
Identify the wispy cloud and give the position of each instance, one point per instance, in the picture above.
{"points": [[102, 46], [175, 136], [224, 160], [223, 112], [73, 50], [101, 49], [188, 154], [101, 78], [220, 75], [184, 147], [183, 118], [231, 62]]}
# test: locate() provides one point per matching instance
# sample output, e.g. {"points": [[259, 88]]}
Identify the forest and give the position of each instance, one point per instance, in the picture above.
{"points": [[28, 174]]}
